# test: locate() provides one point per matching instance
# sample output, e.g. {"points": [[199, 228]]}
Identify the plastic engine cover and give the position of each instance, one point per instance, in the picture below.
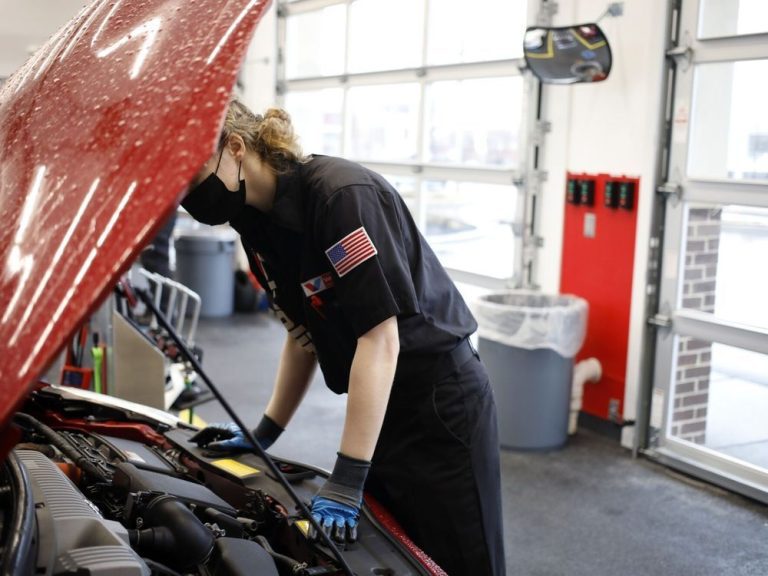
{"points": [[74, 537]]}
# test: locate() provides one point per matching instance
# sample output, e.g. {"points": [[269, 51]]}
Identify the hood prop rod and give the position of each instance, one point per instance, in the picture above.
{"points": [[146, 298]]}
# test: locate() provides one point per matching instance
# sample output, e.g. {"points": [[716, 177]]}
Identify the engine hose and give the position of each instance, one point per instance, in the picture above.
{"points": [[63, 445], [294, 565], [174, 535], [232, 527]]}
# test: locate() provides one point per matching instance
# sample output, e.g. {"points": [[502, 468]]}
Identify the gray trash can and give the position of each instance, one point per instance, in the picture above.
{"points": [[527, 341], [205, 263]]}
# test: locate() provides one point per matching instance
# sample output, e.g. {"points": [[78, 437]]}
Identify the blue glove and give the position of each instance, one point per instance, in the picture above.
{"points": [[338, 521], [226, 437], [336, 507], [222, 437]]}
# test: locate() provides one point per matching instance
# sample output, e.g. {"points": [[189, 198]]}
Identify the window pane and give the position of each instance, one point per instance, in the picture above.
{"points": [[317, 116], [383, 122], [483, 30], [314, 43], [468, 226], [385, 34], [729, 124], [724, 269], [721, 399], [474, 122], [732, 17]]}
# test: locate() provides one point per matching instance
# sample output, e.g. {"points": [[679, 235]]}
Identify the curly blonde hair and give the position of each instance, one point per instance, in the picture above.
{"points": [[271, 136]]}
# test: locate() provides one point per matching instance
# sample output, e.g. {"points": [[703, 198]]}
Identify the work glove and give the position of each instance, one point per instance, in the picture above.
{"points": [[336, 507], [227, 438]]}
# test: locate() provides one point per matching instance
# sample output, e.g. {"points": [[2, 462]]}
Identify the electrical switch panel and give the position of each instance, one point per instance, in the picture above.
{"points": [[572, 195], [587, 192], [619, 193], [580, 191], [627, 195]]}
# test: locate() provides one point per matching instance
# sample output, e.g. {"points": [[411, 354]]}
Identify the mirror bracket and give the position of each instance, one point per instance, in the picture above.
{"points": [[547, 11]]}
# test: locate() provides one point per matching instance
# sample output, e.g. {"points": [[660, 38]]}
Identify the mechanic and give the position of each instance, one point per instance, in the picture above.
{"points": [[361, 293]]}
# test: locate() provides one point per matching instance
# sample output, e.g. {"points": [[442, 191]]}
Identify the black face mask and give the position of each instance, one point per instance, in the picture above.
{"points": [[211, 202]]}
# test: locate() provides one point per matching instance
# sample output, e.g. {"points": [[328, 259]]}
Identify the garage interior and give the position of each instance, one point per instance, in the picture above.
{"points": [[582, 510], [642, 194]]}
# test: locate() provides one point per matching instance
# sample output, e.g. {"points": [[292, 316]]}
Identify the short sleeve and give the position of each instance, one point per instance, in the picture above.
{"points": [[359, 231]]}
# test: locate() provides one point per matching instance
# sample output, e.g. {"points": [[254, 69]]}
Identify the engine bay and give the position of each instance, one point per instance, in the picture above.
{"points": [[90, 491]]}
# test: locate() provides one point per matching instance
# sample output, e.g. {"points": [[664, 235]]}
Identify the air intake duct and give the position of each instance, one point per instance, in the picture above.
{"points": [[172, 534]]}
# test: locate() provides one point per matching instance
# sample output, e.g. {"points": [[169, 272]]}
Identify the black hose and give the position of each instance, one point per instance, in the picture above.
{"points": [[174, 534], [256, 447], [294, 565], [64, 446], [231, 525]]}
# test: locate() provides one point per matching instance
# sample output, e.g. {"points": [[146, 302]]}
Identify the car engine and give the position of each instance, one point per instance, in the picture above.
{"points": [[77, 502], [97, 486]]}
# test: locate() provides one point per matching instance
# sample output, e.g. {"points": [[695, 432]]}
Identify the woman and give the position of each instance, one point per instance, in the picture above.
{"points": [[361, 293]]}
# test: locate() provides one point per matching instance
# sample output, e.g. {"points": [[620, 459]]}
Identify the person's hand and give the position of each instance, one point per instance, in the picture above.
{"points": [[227, 437], [336, 507], [337, 520], [222, 437]]}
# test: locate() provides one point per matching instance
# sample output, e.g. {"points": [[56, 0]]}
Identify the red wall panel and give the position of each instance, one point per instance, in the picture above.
{"points": [[599, 269]]}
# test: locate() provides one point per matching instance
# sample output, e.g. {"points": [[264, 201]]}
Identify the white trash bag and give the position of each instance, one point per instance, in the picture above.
{"points": [[532, 320]]}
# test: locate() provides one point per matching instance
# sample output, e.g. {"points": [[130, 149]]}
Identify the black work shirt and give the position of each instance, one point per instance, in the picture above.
{"points": [[338, 254]]}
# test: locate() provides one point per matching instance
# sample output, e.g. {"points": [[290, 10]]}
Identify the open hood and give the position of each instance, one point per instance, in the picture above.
{"points": [[100, 132]]}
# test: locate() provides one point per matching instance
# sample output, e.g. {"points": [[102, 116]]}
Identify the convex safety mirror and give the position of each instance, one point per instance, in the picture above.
{"points": [[568, 55]]}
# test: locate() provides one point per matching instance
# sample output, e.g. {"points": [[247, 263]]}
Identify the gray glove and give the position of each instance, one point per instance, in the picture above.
{"points": [[336, 507]]}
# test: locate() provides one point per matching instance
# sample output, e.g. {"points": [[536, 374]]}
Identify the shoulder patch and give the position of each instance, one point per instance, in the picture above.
{"points": [[351, 251], [317, 284]]}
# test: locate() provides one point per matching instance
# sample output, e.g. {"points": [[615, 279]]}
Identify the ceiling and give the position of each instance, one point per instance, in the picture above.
{"points": [[25, 26]]}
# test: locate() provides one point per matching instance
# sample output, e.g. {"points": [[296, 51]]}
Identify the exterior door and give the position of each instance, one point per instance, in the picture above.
{"points": [[709, 411]]}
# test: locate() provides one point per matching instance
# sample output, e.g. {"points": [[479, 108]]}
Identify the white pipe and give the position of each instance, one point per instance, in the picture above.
{"points": [[589, 370]]}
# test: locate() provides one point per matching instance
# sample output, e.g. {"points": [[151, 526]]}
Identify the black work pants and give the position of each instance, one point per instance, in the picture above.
{"points": [[436, 464]]}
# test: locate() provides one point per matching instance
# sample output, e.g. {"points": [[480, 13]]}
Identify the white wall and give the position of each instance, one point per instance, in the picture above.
{"points": [[25, 25], [610, 127]]}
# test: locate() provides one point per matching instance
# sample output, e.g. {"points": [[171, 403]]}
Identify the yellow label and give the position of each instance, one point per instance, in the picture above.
{"points": [[235, 468], [303, 525]]}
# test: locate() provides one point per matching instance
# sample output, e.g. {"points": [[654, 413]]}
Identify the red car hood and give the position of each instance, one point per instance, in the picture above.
{"points": [[100, 133]]}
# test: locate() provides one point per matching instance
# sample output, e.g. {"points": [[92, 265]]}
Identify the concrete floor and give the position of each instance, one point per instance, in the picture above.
{"points": [[586, 510]]}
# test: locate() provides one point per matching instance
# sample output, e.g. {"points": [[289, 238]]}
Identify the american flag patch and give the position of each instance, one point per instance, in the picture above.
{"points": [[351, 251]]}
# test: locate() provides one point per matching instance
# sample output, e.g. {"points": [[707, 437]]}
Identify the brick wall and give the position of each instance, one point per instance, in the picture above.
{"points": [[694, 357]]}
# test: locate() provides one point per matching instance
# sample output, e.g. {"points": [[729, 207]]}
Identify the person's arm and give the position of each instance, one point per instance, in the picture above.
{"points": [[370, 382], [294, 374], [336, 507]]}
